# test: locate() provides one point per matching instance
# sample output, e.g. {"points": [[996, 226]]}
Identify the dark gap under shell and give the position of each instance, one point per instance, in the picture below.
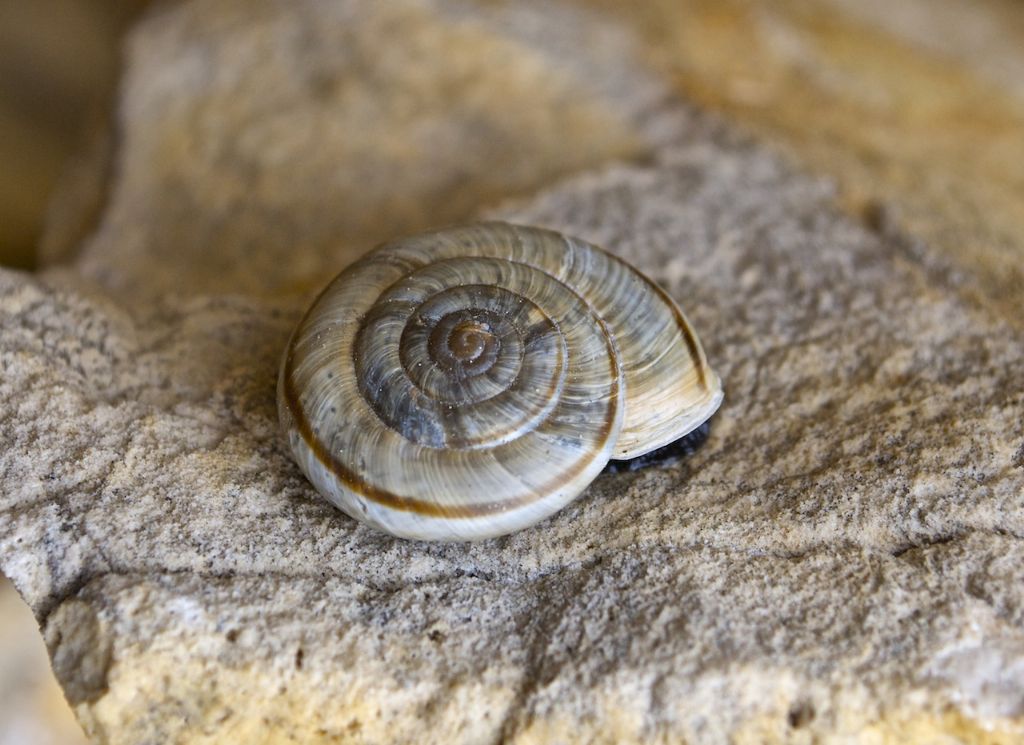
{"points": [[685, 445]]}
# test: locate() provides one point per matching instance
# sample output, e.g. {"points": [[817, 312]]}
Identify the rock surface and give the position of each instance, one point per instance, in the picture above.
{"points": [[916, 109], [843, 560]]}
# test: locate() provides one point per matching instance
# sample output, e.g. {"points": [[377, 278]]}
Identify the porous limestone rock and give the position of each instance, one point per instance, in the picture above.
{"points": [[842, 561]]}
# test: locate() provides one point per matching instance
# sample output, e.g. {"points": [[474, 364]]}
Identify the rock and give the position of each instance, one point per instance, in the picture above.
{"points": [[916, 109], [292, 138], [842, 559]]}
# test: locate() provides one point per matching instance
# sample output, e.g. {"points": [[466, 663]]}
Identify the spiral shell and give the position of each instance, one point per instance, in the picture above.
{"points": [[469, 382]]}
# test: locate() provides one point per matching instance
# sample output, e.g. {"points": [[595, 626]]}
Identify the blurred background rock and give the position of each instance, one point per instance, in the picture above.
{"points": [[32, 707], [58, 66], [58, 61]]}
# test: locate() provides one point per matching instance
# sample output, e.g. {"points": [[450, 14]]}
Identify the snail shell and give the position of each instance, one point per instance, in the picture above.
{"points": [[469, 382]]}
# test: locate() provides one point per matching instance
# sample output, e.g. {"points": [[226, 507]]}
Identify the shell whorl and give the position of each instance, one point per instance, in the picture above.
{"points": [[470, 382]]}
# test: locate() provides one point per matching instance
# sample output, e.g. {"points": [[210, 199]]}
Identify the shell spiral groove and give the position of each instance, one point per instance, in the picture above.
{"points": [[469, 382]]}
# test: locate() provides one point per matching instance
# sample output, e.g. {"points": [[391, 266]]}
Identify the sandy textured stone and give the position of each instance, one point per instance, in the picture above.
{"points": [[843, 560]]}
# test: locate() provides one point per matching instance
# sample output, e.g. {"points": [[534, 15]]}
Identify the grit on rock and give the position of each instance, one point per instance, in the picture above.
{"points": [[844, 558]]}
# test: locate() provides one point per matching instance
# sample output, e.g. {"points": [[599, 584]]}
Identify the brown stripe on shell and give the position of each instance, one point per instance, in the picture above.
{"points": [[359, 485]]}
